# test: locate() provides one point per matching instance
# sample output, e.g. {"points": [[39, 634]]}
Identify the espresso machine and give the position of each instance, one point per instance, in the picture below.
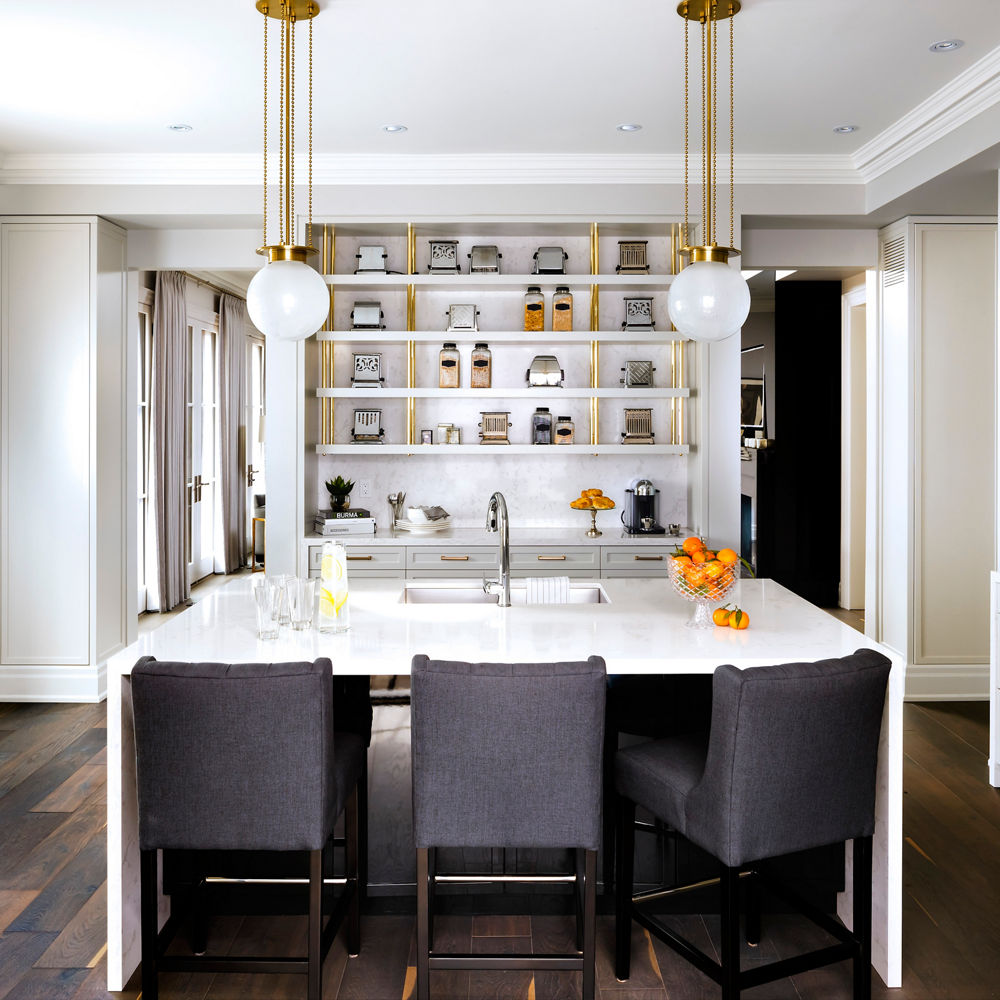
{"points": [[641, 510]]}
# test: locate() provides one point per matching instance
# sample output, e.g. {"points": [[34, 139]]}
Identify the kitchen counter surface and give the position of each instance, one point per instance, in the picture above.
{"points": [[609, 525], [641, 630]]}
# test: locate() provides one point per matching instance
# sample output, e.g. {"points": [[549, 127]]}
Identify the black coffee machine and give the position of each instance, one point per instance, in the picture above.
{"points": [[641, 511]]}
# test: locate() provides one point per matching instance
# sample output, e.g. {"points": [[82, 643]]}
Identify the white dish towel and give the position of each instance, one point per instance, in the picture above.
{"points": [[547, 590]]}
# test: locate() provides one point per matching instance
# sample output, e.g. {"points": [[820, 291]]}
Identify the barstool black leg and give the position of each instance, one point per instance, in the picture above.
{"points": [[315, 973], [363, 833], [432, 867], [625, 847], [589, 923], [351, 851], [423, 939], [753, 908], [609, 816], [199, 919], [579, 896], [148, 919], [863, 917], [730, 932]]}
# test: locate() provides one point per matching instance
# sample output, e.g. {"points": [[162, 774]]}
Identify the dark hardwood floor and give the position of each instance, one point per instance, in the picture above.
{"points": [[53, 886]]}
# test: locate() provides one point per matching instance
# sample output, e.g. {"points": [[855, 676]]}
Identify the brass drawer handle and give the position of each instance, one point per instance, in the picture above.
{"points": [[552, 559], [454, 558], [365, 558], [648, 558]]}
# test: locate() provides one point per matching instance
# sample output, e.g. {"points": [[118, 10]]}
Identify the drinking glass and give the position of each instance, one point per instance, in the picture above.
{"points": [[265, 600], [281, 610], [301, 600]]}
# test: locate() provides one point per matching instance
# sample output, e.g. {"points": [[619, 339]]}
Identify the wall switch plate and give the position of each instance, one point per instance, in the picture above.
{"points": [[364, 489]]}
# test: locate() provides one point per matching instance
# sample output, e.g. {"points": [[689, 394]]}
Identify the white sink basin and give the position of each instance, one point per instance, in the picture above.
{"points": [[591, 593]]}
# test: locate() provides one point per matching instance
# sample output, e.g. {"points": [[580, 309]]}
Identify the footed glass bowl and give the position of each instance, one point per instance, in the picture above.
{"points": [[704, 583]]}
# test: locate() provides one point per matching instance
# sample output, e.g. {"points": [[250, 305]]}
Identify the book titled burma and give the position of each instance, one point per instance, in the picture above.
{"points": [[355, 526], [342, 515]]}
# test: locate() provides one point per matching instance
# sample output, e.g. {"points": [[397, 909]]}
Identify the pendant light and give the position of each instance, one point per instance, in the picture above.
{"points": [[708, 300], [287, 298]]}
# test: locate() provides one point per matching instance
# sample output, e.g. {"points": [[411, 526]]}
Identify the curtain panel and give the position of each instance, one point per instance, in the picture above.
{"points": [[170, 457], [233, 430]]}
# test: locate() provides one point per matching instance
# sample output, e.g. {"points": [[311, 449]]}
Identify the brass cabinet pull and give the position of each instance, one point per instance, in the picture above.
{"points": [[552, 559], [367, 558], [454, 558], [648, 558]]}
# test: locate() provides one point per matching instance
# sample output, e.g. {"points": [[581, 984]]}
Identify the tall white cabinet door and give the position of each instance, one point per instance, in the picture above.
{"points": [[64, 469]]}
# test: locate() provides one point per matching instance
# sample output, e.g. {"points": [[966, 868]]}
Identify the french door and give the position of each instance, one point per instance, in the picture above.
{"points": [[203, 451]]}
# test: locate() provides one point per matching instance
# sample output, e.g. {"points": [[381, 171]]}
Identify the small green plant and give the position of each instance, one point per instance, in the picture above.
{"points": [[339, 487]]}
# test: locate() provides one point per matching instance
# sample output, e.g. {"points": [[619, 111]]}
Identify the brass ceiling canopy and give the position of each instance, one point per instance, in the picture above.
{"points": [[704, 10], [300, 10]]}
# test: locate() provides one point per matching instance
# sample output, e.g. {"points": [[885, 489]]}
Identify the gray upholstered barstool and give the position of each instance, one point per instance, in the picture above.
{"points": [[789, 765], [243, 758], [507, 755]]}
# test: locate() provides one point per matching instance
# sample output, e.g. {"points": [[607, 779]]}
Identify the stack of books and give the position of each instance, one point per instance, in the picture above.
{"points": [[355, 521]]}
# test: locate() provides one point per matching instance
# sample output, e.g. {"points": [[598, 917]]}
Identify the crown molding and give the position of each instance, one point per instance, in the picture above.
{"points": [[969, 94], [404, 169]]}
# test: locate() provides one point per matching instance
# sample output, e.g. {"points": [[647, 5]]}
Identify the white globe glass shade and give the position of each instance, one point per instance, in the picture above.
{"points": [[708, 300], [287, 299]]}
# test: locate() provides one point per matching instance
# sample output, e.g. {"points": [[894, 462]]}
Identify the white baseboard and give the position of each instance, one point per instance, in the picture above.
{"points": [[948, 682], [53, 684]]}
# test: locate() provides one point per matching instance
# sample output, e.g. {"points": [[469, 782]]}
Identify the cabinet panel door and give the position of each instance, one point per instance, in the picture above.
{"points": [[555, 560], [634, 560], [365, 560], [451, 560], [45, 440]]}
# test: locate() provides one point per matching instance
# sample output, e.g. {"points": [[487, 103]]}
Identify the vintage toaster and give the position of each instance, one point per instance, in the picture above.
{"points": [[367, 372], [463, 319], [550, 260], [444, 257], [632, 257], [545, 371], [638, 426], [495, 426], [367, 316], [484, 260], [368, 427], [638, 374], [638, 313], [371, 260]]}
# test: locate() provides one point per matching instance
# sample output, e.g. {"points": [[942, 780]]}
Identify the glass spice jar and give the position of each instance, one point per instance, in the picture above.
{"points": [[562, 309], [541, 426], [564, 430], [482, 367], [448, 367], [534, 309]]}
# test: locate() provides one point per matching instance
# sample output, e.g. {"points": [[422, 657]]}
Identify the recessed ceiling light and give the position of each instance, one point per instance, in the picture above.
{"points": [[845, 129], [947, 45], [393, 128], [629, 127], [181, 128], [747, 275]]}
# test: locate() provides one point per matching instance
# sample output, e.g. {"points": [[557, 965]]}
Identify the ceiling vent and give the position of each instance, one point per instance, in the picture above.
{"points": [[893, 261]]}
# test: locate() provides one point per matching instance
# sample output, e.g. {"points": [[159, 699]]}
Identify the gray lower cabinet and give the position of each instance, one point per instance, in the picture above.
{"points": [[365, 560], [633, 560], [451, 560], [555, 560]]}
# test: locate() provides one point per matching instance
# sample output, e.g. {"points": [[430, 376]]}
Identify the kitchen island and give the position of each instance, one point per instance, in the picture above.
{"points": [[637, 626]]}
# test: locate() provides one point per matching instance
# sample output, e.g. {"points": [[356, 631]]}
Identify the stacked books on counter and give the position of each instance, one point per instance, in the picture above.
{"points": [[354, 521]]}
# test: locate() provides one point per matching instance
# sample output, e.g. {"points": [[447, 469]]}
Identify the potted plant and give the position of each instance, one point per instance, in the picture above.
{"points": [[340, 492]]}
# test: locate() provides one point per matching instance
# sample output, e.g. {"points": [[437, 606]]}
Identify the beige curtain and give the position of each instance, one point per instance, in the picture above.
{"points": [[171, 365], [232, 430]]}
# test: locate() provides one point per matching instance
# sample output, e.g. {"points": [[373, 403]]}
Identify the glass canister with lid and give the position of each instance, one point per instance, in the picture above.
{"points": [[564, 431], [562, 309], [448, 367], [534, 309], [482, 367], [541, 426]]}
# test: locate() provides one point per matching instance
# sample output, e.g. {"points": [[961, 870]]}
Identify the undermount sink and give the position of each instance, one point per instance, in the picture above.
{"points": [[592, 593]]}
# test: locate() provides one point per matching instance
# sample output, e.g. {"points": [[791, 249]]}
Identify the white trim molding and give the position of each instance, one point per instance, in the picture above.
{"points": [[53, 684], [947, 682]]}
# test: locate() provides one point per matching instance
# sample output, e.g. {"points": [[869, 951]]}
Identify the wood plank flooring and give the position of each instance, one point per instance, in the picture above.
{"points": [[53, 888]]}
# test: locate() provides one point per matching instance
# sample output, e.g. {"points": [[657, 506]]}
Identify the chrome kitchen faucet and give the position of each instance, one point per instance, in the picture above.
{"points": [[496, 520]]}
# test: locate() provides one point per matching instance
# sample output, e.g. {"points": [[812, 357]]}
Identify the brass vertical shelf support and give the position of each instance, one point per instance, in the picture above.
{"points": [[678, 238], [327, 257], [595, 325], [411, 325]]}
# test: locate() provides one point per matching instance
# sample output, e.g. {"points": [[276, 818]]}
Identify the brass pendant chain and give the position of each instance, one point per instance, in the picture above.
{"points": [[704, 135], [265, 130], [281, 140], [713, 192], [290, 221], [687, 237], [309, 233], [732, 174]]}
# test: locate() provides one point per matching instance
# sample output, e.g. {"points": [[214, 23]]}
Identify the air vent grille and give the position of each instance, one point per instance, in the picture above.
{"points": [[893, 261]]}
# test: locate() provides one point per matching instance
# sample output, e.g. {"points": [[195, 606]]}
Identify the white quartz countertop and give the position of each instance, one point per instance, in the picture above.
{"points": [[641, 630], [610, 526]]}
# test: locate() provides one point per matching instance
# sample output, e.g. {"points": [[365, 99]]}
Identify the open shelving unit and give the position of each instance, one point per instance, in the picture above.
{"points": [[414, 306]]}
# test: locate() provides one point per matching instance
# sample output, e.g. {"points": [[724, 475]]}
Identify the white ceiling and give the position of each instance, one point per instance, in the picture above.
{"points": [[514, 79]]}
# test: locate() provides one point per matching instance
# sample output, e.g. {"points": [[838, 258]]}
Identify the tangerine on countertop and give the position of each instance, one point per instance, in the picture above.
{"points": [[739, 619]]}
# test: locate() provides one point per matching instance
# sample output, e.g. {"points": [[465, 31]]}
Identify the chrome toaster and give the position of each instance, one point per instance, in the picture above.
{"points": [[463, 319], [371, 260], [550, 260], [484, 260], [367, 316], [545, 371], [444, 257]]}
